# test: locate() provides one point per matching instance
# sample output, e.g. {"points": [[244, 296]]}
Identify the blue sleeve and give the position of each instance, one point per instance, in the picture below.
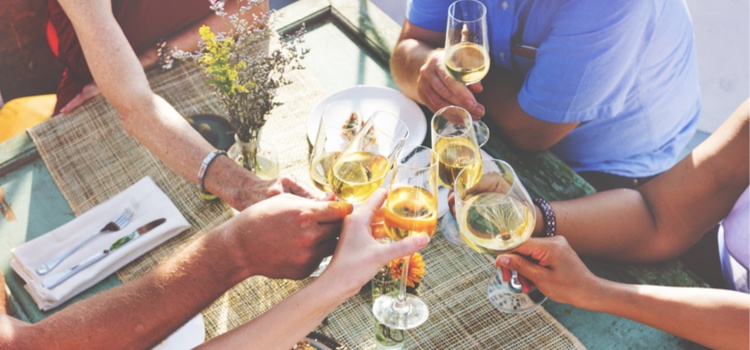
{"points": [[428, 14], [589, 61]]}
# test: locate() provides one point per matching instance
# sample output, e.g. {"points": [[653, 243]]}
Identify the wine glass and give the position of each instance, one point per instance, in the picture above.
{"points": [[454, 141], [496, 215], [339, 123], [467, 56], [364, 164], [411, 208]]}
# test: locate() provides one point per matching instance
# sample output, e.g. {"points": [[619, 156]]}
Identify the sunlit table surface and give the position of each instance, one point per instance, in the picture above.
{"points": [[358, 37]]}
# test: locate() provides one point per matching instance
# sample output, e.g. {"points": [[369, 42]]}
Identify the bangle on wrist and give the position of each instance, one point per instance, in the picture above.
{"points": [[202, 173], [550, 223]]}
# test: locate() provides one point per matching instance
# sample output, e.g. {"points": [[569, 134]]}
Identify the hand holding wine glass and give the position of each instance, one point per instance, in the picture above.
{"points": [[467, 56], [495, 215], [411, 209]]}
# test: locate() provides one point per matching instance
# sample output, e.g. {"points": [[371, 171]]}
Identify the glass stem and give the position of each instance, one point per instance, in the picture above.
{"points": [[400, 305], [515, 282]]}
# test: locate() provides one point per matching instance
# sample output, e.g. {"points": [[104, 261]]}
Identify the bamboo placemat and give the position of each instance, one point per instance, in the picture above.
{"points": [[91, 158]]}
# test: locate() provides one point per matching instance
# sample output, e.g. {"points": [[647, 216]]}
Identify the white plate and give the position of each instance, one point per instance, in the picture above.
{"points": [[190, 335], [368, 99]]}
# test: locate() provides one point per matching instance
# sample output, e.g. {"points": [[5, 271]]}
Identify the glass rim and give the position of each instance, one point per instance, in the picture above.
{"points": [[453, 6], [379, 129], [516, 180], [433, 158], [468, 128]]}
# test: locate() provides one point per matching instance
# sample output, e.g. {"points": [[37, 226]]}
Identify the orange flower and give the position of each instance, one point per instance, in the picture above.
{"points": [[416, 269]]}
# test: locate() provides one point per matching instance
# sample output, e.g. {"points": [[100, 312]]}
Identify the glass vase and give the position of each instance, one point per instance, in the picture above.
{"points": [[386, 338], [256, 156]]}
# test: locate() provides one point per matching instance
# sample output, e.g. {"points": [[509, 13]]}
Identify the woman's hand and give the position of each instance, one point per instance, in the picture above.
{"points": [[358, 256], [553, 266], [437, 89]]}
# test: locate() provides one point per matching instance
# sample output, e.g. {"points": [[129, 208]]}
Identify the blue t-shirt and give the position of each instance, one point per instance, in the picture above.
{"points": [[625, 69]]}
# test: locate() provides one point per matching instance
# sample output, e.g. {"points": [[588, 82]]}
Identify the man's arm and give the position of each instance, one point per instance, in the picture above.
{"points": [[418, 70], [151, 120], [136, 315], [667, 215], [712, 317], [277, 238]]}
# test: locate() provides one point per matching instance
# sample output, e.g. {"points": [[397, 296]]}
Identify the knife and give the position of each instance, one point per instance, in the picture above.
{"points": [[55, 280]]}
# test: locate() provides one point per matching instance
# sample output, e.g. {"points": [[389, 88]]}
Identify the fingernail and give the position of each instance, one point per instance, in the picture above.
{"points": [[503, 261], [422, 240], [479, 110], [471, 103]]}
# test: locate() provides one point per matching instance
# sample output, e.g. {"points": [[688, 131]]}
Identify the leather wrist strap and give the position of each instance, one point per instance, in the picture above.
{"points": [[550, 223], [202, 173]]}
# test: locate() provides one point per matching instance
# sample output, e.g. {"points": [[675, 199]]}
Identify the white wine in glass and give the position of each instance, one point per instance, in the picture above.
{"points": [[466, 43], [364, 164], [455, 143], [496, 215], [411, 208], [339, 123], [467, 56], [467, 62], [355, 176]]}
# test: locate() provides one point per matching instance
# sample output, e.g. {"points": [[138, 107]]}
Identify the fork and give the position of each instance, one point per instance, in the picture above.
{"points": [[116, 224]]}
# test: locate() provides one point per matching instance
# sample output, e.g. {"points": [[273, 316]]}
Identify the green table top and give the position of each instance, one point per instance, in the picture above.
{"points": [[359, 38]]}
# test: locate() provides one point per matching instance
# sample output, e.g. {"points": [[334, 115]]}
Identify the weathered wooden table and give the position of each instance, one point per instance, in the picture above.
{"points": [[352, 41]]}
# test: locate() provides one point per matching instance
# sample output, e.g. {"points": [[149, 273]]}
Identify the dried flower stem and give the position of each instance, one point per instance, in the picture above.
{"points": [[242, 69]]}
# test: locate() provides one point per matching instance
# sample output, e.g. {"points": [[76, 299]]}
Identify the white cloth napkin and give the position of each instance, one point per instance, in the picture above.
{"points": [[152, 204]]}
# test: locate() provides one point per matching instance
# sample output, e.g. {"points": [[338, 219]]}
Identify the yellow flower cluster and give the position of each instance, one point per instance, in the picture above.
{"points": [[416, 269], [216, 59]]}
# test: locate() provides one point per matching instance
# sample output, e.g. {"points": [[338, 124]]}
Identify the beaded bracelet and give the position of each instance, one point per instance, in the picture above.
{"points": [[202, 172], [550, 223]]}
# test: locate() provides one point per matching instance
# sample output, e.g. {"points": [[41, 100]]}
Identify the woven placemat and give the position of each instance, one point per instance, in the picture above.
{"points": [[91, 158]]}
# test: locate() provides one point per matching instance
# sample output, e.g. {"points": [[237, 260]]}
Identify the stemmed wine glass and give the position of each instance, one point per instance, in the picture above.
{"points": [[467, 56], [364, 164], [496, 215], [339, 123], [455, 143], [411, 208]]}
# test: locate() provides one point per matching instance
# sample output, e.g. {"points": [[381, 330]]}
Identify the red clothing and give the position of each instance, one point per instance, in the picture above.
{"points": [[144, 22]]}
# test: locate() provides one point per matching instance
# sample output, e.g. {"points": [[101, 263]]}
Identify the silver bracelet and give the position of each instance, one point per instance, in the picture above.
{"points": [[202, 172]]}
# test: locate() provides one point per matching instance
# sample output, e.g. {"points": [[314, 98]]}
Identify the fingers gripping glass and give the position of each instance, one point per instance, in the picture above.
{"points": [[496, 215], [411, 209], [467, 49]]}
